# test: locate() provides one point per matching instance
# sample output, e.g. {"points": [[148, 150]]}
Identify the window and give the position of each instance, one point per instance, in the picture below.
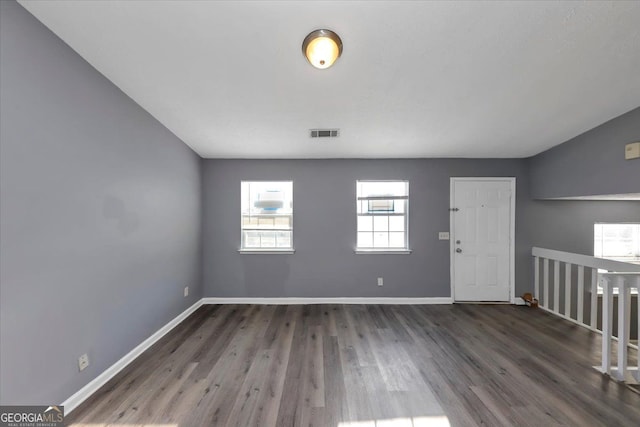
{"points": [[382, 208], [267, 216], [619, 242]]}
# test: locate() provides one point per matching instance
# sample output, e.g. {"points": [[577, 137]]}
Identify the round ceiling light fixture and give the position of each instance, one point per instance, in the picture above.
{"points": [[322, 48]]}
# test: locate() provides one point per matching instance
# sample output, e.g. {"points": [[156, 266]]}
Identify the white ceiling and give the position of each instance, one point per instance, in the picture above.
{"points": [[416, 79]]}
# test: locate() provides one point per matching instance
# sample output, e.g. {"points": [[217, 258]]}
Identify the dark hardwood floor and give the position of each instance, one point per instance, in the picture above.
{"points": [[357, 366]]}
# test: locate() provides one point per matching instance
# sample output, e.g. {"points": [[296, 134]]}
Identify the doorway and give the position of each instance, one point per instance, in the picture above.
{"points": [[482, 225]]}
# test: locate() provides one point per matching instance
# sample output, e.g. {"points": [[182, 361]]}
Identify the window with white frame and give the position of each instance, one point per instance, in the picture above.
{"points": [[382, 211], [267, 216], [619, 242]]}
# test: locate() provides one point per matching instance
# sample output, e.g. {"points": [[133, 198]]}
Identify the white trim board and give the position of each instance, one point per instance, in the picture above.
{"points": [[330, 300], [585, 260], [85, 392]]}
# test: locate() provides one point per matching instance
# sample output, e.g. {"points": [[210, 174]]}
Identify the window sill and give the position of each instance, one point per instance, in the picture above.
{"points": [[267, 251], [383, 251]]}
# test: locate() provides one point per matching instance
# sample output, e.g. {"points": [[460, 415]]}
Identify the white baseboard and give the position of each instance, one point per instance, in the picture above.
{"points": [[81, 395], [321, 300]]}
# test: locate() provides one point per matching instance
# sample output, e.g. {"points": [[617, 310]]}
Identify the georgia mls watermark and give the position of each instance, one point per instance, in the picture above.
{"points": [[31, 416]]}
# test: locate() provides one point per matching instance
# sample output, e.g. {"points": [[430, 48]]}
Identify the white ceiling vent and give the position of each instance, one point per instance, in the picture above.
{"points": [[324, 133]]}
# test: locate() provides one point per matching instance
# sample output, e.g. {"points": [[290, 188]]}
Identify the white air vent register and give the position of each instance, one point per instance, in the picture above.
{"points": [[324, 133]]}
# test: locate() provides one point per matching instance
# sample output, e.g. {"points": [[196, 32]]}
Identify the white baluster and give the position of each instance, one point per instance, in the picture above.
{"points": [[556, 286], [607, 325], [637, 285], [580, 294], [567, 289], [536, 277], [545, 280], [624, 319], [594, 298]]}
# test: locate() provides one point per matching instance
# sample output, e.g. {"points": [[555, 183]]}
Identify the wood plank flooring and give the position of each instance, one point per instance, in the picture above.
{"points": [[366, 366]]}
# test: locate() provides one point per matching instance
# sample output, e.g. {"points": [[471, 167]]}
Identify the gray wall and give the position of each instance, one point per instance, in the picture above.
{"points": [[590, 164], [567, 225], [99, 217], [324, 264]]}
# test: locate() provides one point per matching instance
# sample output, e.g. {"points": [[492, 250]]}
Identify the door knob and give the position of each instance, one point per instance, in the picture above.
{"points": [[459, 250]]}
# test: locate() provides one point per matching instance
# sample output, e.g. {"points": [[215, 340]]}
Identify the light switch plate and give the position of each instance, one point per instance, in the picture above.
{"points": [[443, 235], [632, 151]]}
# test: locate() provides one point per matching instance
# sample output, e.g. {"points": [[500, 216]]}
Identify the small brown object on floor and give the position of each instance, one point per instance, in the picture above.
{"points": [[530, 300]]}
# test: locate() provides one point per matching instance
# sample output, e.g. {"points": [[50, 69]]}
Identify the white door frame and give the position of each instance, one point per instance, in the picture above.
{"points": [[512, 231]]}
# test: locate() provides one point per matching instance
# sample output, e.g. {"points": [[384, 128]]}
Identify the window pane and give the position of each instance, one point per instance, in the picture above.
{"points": [[267, 197], [619, 242], [283, 222], [265, 222], [396, 223], [365, 240], [251, 239], [244, 204], [380, 205], [380, 223], [365, 223], [380, 240], [283, 239], [267, 239], [382, 188], [597, 240], [249, 222], [396, 240]]}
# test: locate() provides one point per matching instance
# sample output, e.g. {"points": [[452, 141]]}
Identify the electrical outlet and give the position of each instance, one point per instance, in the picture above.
{"points": [[186, 291], [380, 281], [83, 362]]}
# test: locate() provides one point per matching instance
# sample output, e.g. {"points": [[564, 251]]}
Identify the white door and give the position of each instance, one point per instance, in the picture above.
{"points": [[481, 238]]}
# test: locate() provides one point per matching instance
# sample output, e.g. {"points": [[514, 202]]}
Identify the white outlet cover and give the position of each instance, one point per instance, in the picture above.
{"points": [[380, 281], [443, 235], [186, 291], [83, 362]]}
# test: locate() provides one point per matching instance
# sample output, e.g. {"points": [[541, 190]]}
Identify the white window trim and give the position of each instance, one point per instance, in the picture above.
{"points": [[274, 250], [385, 251], [267, 251]]}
